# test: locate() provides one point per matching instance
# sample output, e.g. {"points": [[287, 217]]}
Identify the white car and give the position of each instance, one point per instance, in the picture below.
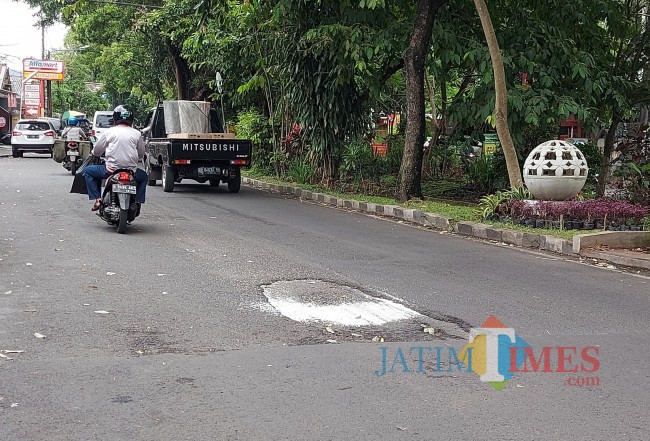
{"points": [[102, 120], [32, 135]]}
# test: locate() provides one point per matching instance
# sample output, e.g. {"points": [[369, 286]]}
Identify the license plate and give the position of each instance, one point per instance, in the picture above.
{"points": [[209, 170], [73, 153], [121, 188], [32, 136]]}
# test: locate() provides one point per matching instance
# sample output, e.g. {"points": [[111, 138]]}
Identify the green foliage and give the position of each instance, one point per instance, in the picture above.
{"points": [[490, 205], [325, 65], [594, 158], [252, 125], [357, 159], [637, 182], [480, 174], [301, 171]]}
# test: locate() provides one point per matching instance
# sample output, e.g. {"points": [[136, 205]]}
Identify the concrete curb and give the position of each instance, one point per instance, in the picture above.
{"points": [[473, 229], [617, 259], [5, 151], [620, 239]]}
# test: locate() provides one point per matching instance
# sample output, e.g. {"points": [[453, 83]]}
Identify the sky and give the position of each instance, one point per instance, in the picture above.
{"points": [[20, 39]]}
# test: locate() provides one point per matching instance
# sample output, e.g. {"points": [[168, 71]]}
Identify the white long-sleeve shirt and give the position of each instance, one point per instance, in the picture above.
{"points": [[123, 146], [73, 133]]}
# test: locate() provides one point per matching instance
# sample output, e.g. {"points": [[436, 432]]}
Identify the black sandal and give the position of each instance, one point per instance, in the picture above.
{"points": [[97, 206]]}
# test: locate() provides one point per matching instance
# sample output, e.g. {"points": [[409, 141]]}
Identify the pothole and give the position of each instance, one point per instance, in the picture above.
{"points": [[318, 301]]}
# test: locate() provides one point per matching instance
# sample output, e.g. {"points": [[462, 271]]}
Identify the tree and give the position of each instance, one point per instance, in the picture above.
{"points": [[414, 61], [501, 105]]}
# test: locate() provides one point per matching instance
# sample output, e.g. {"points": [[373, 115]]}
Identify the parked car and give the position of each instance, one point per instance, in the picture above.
{"points": [[102, 120], [56, 123], [32, 135]]}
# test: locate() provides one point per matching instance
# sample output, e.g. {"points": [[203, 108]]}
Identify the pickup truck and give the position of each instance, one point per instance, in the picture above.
{"points": [[204, 157]]}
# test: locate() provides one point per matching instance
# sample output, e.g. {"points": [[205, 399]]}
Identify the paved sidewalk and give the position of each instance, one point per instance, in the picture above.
{"points": [[633, 258], [5, 150]]}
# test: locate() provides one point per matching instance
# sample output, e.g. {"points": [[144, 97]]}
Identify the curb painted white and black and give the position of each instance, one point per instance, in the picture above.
{"points": [[522, 239]]}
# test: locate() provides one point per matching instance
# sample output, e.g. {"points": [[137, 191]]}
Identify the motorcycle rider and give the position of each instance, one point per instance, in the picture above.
{"points": [[73, 132], [123, 146]]}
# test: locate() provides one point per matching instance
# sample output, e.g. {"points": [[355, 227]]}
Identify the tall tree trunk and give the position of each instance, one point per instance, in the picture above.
{"points": [[501, 104], [410, 173], [607, 154], [435, 129], [182, 73]]}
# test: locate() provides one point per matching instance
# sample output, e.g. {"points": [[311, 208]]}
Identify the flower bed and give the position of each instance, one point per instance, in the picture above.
{"points": [[607, 214]]}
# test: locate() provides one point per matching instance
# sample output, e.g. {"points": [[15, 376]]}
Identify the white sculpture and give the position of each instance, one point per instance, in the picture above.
{"points": [[555, 170]]}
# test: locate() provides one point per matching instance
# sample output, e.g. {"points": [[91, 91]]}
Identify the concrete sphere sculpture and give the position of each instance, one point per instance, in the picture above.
{"points": [[555, 171]]}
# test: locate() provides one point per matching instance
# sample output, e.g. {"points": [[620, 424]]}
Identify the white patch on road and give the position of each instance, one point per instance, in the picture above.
{"points": [[319, 301]]}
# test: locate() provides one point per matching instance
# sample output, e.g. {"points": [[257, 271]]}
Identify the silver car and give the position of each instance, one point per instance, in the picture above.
{"points": [[32, 135]]}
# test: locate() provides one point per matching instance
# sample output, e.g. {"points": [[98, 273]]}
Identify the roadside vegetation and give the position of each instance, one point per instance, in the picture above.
{"points": [[315, 88]]}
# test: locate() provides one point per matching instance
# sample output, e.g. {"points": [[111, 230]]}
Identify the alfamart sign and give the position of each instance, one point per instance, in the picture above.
{"points": [[45, 69]]}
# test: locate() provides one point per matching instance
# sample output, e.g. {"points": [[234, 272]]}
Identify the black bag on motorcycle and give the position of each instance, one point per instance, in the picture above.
{"points": [[79, 181]]}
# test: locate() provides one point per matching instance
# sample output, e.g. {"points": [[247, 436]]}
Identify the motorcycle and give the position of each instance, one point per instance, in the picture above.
{"points": [[118, 200], [73, 157]]}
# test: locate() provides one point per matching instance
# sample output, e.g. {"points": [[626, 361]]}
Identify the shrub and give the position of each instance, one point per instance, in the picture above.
{"points": [[301, 171], [255, 126], [480, 174], [588, 210], [499, 202], [357, 160]]}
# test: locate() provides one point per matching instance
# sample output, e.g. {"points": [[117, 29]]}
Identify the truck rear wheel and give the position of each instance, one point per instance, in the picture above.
{"points": [[167, 179], [234, 184]]}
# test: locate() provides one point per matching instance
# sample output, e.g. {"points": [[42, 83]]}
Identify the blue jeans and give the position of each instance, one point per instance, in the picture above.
{"points": [[95, 173]]}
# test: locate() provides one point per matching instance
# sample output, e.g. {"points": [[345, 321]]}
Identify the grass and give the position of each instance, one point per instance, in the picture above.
{"points": [[458, 212]]}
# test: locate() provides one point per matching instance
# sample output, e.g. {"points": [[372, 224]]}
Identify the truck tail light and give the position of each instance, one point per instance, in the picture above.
{"points": [[182, 161], [238, 162]]}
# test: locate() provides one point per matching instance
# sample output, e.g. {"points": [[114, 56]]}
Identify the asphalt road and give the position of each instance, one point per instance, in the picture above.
{"points": [[191, 349]]}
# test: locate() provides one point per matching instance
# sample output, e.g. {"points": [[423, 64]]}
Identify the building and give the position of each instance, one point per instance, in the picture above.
{"points": [[10, 84]]}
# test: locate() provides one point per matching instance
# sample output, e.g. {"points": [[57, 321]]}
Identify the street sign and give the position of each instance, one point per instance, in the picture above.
{"points": [[32, 111], [94, 87], [53, 66], [46, 76], [45, 69], [219, 82], [491, 144]]}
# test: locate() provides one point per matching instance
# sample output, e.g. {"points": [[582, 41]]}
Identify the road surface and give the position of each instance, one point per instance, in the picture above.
{"points": [[200, 323]]}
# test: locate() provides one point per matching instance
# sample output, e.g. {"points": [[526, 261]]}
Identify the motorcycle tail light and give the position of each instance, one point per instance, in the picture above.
{"points": [[124, 178], [16, 133], [48, 133], [92, 133], [72, 145]]}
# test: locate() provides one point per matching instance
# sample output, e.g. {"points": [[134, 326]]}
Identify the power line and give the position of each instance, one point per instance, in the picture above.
{"points": [[109, 2]]}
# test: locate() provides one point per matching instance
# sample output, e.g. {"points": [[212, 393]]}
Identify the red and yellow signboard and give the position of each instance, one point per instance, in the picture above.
{"points": [[38, 71], [45, 69]]}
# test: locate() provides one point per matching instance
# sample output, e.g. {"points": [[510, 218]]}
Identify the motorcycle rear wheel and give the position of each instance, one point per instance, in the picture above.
{"points": [[121, 222]]}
